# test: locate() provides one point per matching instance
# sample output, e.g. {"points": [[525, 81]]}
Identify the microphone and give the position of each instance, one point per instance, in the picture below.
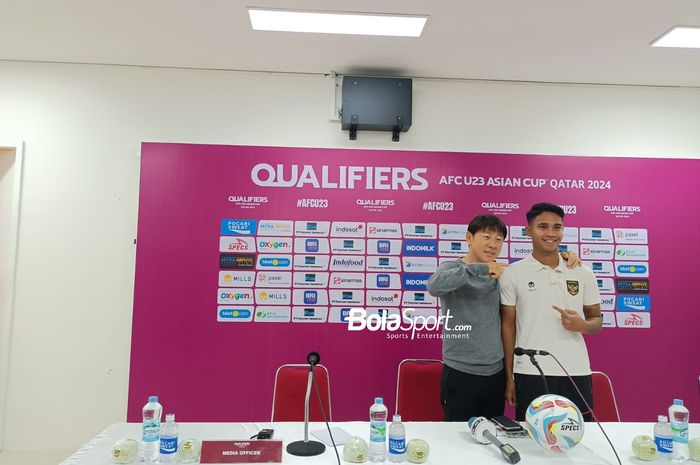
{"points": [[485, 432], [313, 358], [530, 352]]}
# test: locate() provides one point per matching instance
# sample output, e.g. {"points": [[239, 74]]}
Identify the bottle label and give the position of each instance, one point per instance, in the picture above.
{"points": [[168, 445], [664, 445], [397, 445], [377, 431], [680, 432], [151, 430]]}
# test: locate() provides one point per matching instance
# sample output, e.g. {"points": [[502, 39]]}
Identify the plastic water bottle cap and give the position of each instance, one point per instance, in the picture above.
{"points": [[153, 398], [378, 400], [677, 401], [662, 419], [397, 418], [169, 417]]}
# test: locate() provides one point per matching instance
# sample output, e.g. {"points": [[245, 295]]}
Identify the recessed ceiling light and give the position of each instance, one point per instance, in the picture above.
{"points": [[679, 36], [372, 24]]}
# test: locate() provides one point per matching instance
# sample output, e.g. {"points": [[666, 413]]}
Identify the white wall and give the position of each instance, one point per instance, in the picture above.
{"points": [[82, 126]]}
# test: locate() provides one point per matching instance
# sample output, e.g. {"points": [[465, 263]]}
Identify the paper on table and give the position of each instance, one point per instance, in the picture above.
{"points": [[339, 435]]}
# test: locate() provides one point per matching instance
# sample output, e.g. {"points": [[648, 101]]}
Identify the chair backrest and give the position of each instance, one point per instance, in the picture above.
{"points": [[418, 390], [604, 404], [290, 390]]}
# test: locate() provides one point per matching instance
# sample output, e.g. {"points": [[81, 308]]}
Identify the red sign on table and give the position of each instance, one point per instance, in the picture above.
{"points": [[253, 451]]}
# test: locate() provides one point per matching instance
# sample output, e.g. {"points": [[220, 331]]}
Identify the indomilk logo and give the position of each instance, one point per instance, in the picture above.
{"points": [[341, 177]]}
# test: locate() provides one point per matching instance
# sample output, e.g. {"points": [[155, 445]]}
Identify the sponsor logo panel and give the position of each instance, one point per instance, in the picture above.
{"points": [[520, 250], [275, 228], [452, 248], [632, 269], [419, 264], [347, 229], [238, 278], [264, 314], [274, 262], [234, 314], [388, 230], [311, 245], [419, 230], [570, 234], [518, 234], [409, 314], [235, 227], [633, 320], [312, 228], [609, 319], [339, 314], [597, 235], [597, 252], [569, 248], [383, 263], [631, 236], [456, 232], [273, 279], [607, 302], [413, 248], [383, 298], [236, 244], [309, 314], [350, 298], [310, 279], [348, 246], [605, 285], [633, 303], [347, 263], [383, 281], [309, 297], [418, 299], [632, 252], [235, 295], [231, 261], [274, 244], [384, 246], [273, 296], [311, 262], [414, 282], [601, 269], [347, 280], [632, 286]]}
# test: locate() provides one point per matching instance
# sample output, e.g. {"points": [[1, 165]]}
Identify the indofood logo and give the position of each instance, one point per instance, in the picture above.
{"points": [[340, 177]]}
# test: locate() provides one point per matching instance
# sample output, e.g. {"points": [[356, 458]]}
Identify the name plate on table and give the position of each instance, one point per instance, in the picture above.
{"points": [[252, 451]]}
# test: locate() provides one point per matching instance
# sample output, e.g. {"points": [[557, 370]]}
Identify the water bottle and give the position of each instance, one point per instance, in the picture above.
{"points": [[377, 430], [397, 440], [152, 412], [679, 417], [663, 437], [168, 440]]}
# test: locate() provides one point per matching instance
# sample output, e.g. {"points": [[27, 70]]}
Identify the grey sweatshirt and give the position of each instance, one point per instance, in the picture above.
{"points": [[472, 298]]}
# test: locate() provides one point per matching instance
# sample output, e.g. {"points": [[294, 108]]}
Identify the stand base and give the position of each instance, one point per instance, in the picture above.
{"points": [[306, 448]]}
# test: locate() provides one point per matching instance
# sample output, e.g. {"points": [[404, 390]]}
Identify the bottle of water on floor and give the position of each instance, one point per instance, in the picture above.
{"points": [[397, 441], [377, 430], [679, 417], [663, 437], [152, 412], [168, 440]]}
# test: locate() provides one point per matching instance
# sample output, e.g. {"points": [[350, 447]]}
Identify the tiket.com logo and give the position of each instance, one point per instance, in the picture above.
{"points": [[275, 262]]}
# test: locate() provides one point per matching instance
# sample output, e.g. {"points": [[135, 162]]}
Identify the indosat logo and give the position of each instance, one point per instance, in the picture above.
{"points": [[341, 177], [397, 326]]}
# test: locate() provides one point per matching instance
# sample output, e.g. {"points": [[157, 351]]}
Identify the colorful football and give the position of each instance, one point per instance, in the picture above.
{"points": [[554, 422]]}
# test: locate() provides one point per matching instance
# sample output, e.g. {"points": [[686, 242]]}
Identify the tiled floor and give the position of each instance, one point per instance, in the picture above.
{"points": [[32, 458]]}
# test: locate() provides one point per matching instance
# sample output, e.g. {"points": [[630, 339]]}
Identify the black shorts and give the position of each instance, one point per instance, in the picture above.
{"points": [[529, 387], [464, 395]]}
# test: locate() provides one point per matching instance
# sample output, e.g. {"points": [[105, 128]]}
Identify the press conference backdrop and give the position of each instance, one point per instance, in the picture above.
{"points": [[249, 257]]}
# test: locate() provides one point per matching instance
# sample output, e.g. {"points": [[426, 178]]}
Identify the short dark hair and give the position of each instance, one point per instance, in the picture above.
{"points": [[487, 223], [544, 207]]}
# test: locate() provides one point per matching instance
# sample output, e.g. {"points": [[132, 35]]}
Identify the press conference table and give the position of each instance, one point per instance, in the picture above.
{"points": [[450, 443]]}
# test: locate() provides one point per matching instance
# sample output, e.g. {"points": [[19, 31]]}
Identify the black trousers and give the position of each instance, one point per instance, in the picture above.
{"points": [[529, 387], [464, 395]]}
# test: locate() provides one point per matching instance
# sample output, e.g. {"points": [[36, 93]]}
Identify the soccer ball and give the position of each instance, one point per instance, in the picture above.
{"points": [[554, 422]]}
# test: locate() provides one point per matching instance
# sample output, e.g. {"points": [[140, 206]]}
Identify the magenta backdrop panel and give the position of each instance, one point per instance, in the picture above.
{"points": [[634, 221]]}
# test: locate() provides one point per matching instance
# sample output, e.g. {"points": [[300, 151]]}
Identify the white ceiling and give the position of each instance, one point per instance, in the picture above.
{"points": [[582, 41]]}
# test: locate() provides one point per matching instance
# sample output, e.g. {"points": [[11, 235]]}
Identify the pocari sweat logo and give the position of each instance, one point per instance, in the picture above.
{"points": [[634, 303], [238, 227], [420, 248]]}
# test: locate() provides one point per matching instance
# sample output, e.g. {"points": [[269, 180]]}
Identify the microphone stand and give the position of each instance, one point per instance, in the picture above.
{"points": [[544, 378], [306, 448]]}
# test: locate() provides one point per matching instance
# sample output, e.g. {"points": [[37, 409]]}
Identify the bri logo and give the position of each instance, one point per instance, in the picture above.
{"points": [[383, 280], [311, 245], [310, 298], [383, 247]]}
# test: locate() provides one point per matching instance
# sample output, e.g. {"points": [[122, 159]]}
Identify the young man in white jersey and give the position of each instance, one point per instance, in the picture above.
{"points": [[547, 306]]}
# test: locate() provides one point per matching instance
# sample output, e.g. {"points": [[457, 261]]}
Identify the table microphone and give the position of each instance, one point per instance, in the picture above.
{"points": [[485, 432], [307, 448], [531, 353]]}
